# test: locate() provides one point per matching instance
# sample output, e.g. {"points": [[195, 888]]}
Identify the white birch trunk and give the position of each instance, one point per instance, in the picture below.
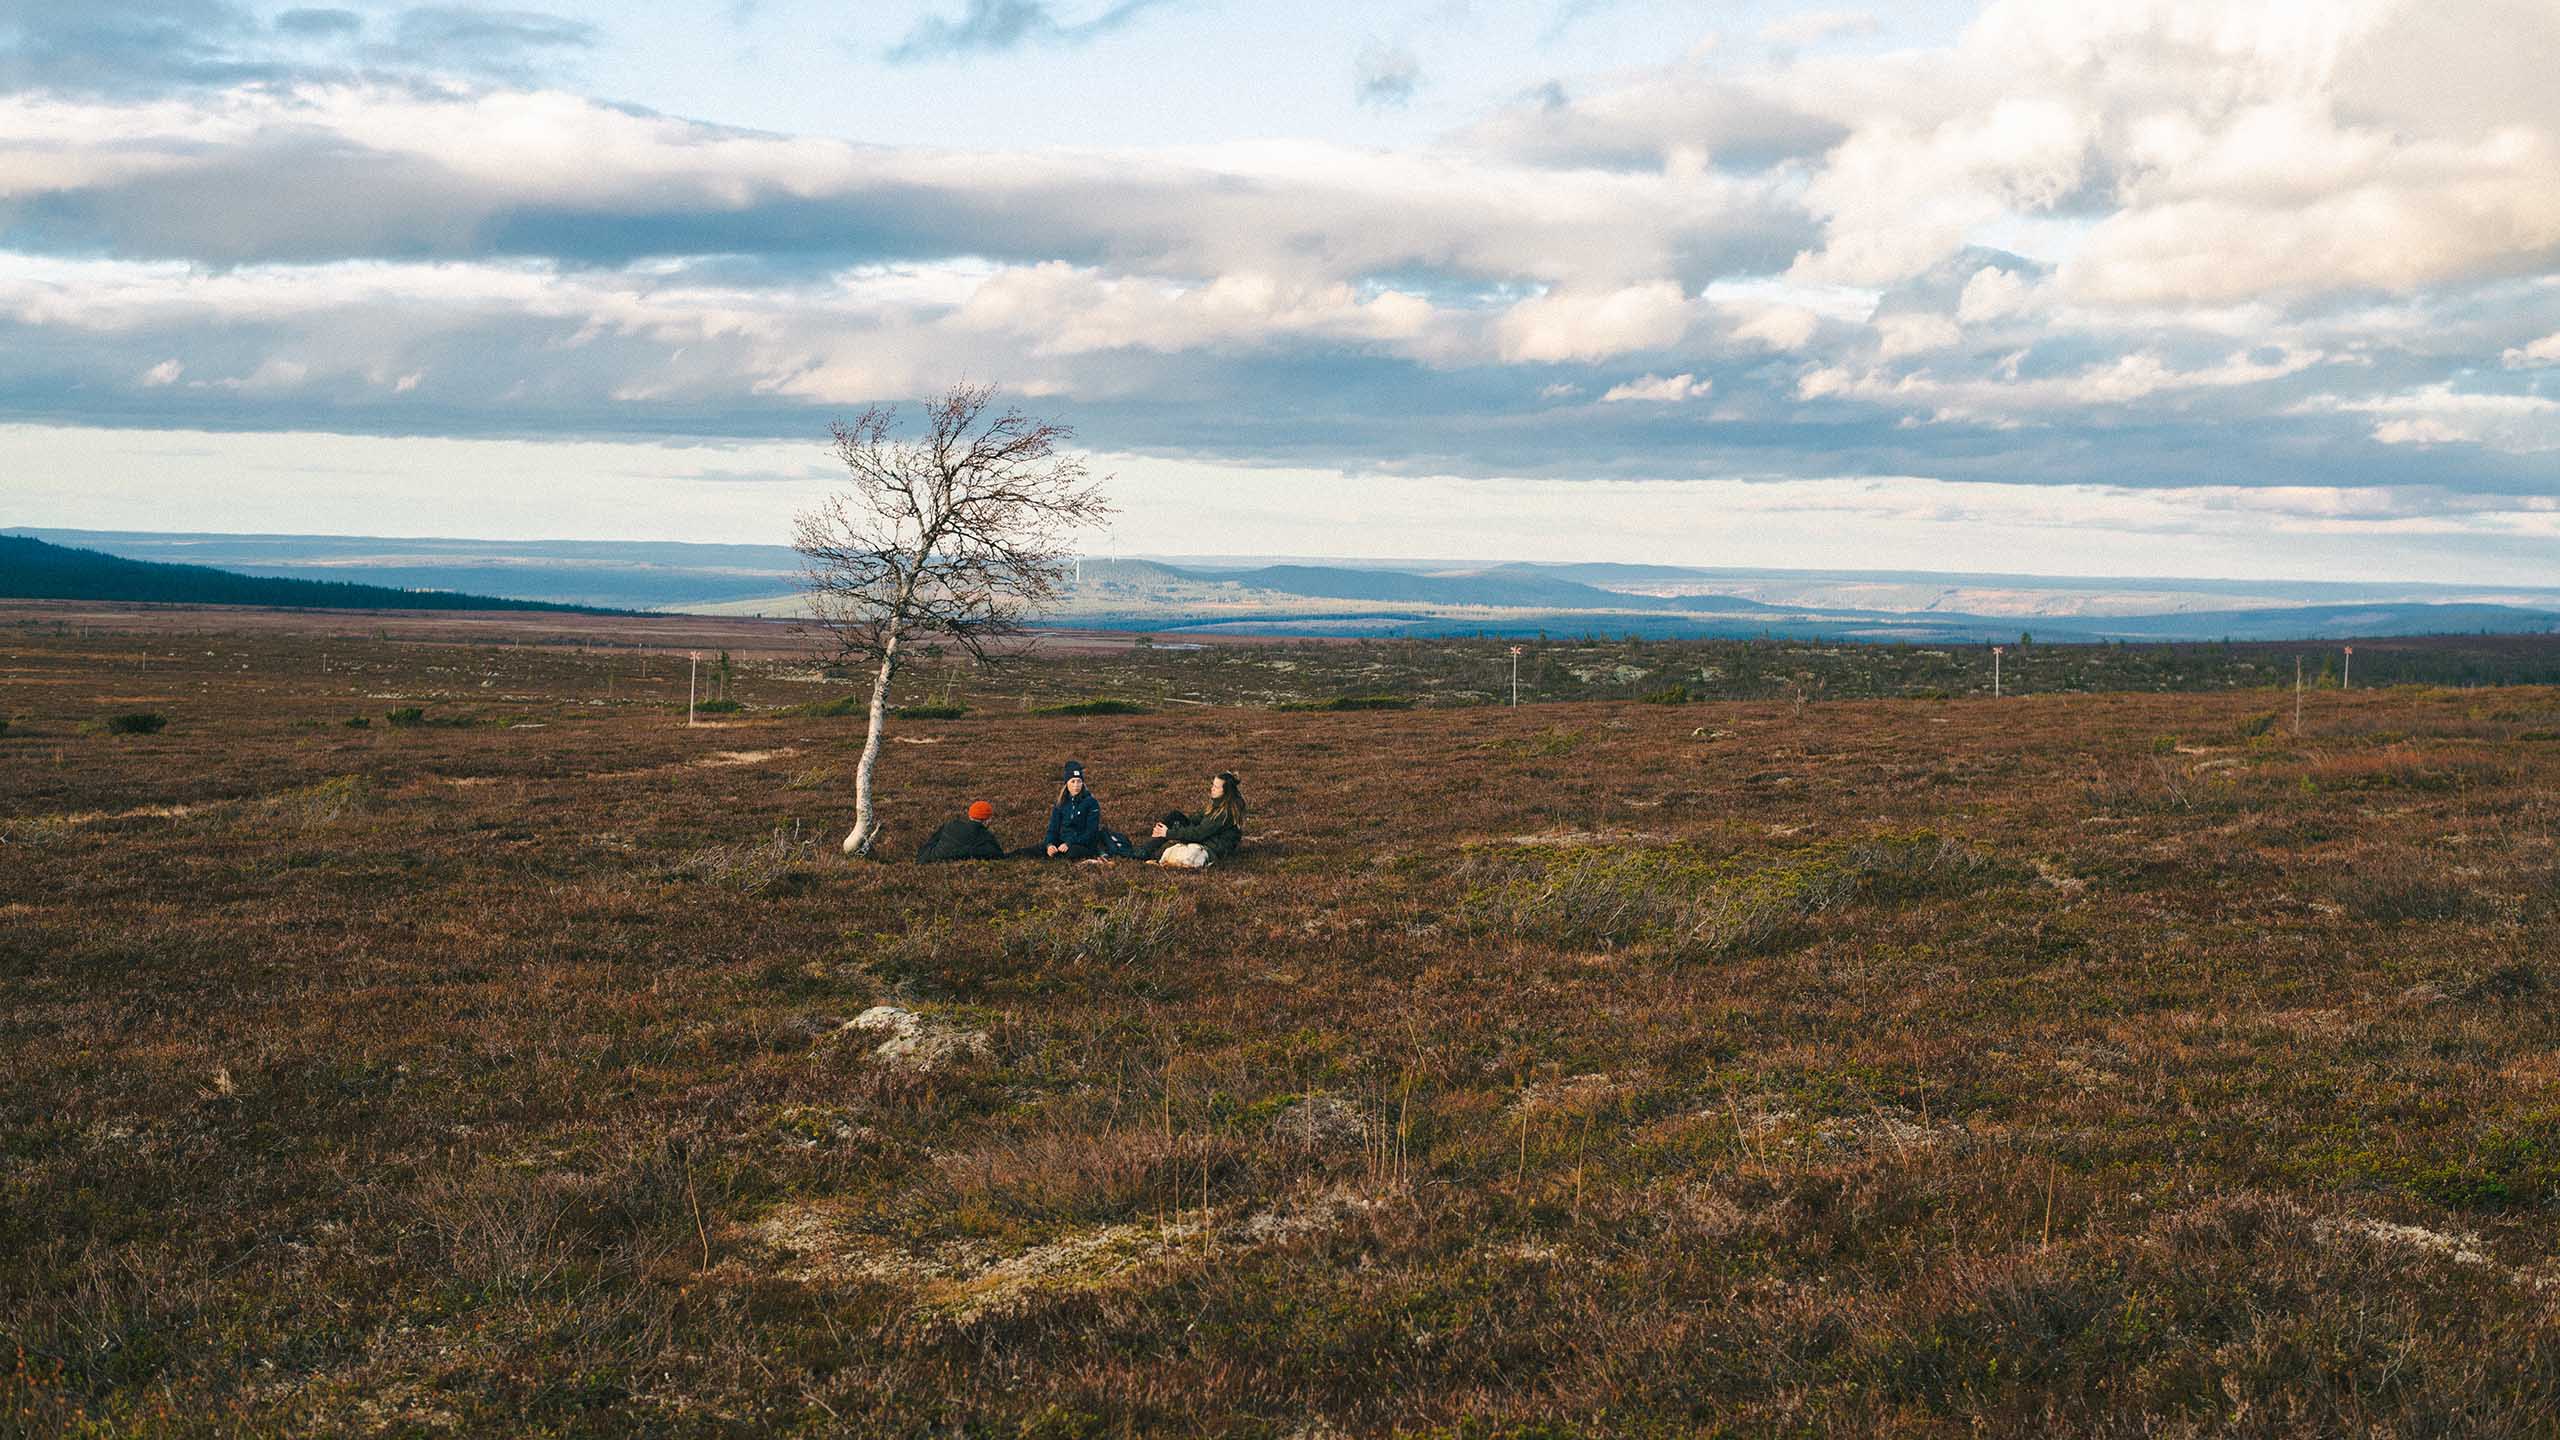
{"points": [[866, 827]]}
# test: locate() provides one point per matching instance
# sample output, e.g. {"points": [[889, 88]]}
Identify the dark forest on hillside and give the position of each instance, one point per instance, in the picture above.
{"points": [[35, 570]]}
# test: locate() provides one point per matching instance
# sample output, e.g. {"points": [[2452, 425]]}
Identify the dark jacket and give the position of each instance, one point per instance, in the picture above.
{"points": [[962, 839], [1076, 820], [1221, 835]]}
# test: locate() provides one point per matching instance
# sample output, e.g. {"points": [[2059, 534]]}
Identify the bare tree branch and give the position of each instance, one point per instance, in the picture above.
{"points": [[959, 535]]}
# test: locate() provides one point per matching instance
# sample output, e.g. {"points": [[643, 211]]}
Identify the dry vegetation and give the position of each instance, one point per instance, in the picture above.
{"points": [[2111, 1064]]}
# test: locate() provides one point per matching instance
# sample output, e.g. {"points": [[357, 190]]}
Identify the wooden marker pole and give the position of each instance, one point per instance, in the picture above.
{"points": [[689, 677], [1995, 670], [2347, 674]]}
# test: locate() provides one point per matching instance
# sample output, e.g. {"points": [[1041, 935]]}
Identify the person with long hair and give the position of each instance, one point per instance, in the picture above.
{"points": [[1180, 840], [1075, 822]]}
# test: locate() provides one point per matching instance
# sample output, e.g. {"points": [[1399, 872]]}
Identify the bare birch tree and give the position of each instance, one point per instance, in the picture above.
{"points": [[957, 534]]}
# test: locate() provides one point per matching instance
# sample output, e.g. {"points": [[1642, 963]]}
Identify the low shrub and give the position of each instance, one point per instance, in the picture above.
{"points": [[1350, 702], [332, 799], [1690, 906], [1122, 932], [139, 722], [1075, 949], [1092, 707], [844, 707], [2397, 887], [834, 709], [358, 722], [750, 867], [2516, 980], [406, 715], [1667, 695], [722, 706], [1553, 741], [2257, 725]]}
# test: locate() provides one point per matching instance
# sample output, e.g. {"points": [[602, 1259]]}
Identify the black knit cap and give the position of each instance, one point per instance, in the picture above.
{"points": [[1074, 769]]}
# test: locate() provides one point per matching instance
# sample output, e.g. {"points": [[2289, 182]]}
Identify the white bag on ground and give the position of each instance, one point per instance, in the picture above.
{"points": [[1185, 857]]}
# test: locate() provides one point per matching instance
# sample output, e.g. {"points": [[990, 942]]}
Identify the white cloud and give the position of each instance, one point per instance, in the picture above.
{"points": [[340, 172], [1815, 26], [2545, 351], [1993, 293], [1913, 333], [2002, 397], [1570, 325], [2421, 431], [2441, 415], [1659, 389], [1059, 309], [1779, 327], [164, 373]]}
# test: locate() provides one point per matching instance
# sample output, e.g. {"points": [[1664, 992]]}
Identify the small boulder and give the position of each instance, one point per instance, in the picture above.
{"points": [[919, 1043]]}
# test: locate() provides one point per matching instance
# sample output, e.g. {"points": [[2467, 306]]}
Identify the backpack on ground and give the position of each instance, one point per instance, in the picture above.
{"points": [[1118, 846]]}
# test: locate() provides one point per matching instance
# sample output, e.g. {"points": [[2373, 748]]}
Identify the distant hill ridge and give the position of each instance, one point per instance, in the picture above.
{"points": [[35, 570]]}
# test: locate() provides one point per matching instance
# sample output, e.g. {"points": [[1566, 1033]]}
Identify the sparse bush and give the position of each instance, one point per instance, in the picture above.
{"points": [[750, 867], [932, 712], [1546, 744], [2256, 725], [2516, 980], [1687, 905], [1075, 950], [329, 800], [38, 830], [1668, 695], [2399, 886], [358, 722], [1092, 707], [139, 722], [837, 708], [721, 706], [1123, 932], [1350, 702], [406, 715], [816, 777]]}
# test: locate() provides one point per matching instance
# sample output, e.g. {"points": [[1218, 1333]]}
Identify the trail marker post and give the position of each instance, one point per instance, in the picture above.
{"points": [[1996, 652], [689, 677], [1515, 677], [2297, 697], [2347, 672]]}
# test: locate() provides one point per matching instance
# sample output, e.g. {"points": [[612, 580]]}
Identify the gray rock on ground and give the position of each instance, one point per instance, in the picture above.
{"points": [[920, 1043]]}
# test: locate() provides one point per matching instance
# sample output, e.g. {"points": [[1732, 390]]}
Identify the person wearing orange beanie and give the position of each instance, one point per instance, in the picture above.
{"points": [[966, 838]]}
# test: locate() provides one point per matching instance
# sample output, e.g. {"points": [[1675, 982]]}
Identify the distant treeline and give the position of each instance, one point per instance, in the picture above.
{"points": [[35, 570]]}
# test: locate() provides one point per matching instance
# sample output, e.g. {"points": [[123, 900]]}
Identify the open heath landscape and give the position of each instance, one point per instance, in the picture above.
{"points": [[416, 1036]]}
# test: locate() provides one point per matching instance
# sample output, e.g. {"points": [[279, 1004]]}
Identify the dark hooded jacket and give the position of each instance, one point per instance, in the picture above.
{"points": [[1076, 820], [961, 839], [1220, 834]]}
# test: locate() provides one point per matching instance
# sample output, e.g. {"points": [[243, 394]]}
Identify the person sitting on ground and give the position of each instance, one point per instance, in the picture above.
{"points": [[1075, 822], [1190, 844], [967, 838]]}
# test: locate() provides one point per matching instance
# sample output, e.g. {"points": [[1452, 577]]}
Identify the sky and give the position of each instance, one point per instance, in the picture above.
{"points": [[2258, 288]]}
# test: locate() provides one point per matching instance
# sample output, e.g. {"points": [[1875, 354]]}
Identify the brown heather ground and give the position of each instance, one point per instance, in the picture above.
{"points": [[2074, 1064]]}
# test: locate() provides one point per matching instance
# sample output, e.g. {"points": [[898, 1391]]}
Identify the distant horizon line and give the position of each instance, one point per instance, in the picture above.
{"points": [[1248, 561]]}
